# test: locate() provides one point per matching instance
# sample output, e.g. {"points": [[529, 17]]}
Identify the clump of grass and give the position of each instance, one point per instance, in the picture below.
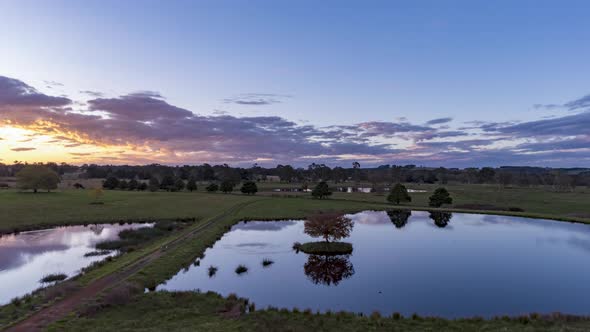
{"points": [[97, 253], [54, 277], [212, 270], [241, 269], [267, 262]]}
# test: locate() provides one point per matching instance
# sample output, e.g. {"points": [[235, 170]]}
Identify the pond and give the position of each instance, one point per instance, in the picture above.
{"points": [[458, 265], [27, 257]]}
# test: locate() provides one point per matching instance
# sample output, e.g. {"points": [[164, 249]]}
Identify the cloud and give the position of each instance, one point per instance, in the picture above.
{"points": [[256, 99], [15, 93], [151, 129], [439, 121], [22, 149]]}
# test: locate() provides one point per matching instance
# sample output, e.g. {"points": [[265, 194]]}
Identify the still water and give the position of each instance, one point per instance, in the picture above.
{"points": [[459, 265], [26, 257]]}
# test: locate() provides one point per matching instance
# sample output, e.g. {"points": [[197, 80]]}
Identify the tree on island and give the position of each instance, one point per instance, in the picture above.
{"points": [[398, 194], [321, 190], [212, 187], [191, 185], [37, 177], [330, 226], [249, 188], [227, 186], [399, 217], [439, 197]]}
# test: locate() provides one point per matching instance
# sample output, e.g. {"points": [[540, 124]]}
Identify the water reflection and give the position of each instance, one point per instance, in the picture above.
{"points": [[440, 218], [28, 256], [328, 269], [399, 217]]}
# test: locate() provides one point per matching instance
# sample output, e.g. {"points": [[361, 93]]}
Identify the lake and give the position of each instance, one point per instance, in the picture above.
{"points": [[28, 256], [458, 265]]}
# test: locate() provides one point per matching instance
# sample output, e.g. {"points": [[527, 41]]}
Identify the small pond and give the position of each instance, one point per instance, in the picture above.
{"points": [[458, 265], [27, 257]]}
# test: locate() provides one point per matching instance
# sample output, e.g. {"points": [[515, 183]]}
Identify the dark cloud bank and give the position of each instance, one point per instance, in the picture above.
{"points": [[147, 120]]}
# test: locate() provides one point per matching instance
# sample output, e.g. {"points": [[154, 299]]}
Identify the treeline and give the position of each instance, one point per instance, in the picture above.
{"points": [[560, 178]]}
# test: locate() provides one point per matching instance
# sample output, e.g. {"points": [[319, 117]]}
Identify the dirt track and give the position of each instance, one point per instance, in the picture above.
{"points": [[39, 320]]}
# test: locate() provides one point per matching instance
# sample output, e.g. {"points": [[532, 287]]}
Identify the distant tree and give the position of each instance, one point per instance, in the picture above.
{"points": [[191, 185], [227, 186], [439, 197], [330, 226], [212, 187], [167, 183], [154, 184], [440, 218], [321, 190], [111, 183], [142, 186], [133, 184], [179, 184], [37, 177], [399, 217], [249, 188], [123, 185], [398, 193]]}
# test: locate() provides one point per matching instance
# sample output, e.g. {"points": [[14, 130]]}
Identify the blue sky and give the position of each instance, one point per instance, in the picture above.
{"points": [[329, 63]]}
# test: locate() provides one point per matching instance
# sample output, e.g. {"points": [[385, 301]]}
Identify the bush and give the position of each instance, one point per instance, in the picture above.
{"points": [[212, 187], [321, 190], [249, 188], [439, 197]]}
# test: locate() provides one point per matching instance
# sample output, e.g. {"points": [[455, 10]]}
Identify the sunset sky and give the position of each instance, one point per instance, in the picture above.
{"points": [[434, 83]]}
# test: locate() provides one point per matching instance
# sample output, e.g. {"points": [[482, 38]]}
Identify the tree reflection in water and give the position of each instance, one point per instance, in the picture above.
{"points": [[399, 217], [328, 269], [441, 219]]}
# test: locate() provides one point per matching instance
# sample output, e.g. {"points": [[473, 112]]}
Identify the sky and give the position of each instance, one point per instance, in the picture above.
{"points": [[433, 83]]}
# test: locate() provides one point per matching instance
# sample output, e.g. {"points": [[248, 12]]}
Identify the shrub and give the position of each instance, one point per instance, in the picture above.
{"points": [[212, 187], [249, 188], [321, 190], [398, 194]]}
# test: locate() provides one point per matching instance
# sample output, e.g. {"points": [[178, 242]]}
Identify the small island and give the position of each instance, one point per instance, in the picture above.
{"points": [[330, 226]]}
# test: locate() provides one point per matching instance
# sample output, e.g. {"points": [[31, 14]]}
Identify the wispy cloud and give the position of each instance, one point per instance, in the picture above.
{"points": [[256, 99]]}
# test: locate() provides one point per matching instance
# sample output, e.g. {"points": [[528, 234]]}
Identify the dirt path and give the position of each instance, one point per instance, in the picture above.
{"points": [[39, 320]]}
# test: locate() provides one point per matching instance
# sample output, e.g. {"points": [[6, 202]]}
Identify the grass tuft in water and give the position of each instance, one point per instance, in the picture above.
{"points": [[241, 269], [212, 270], [267, 262]]}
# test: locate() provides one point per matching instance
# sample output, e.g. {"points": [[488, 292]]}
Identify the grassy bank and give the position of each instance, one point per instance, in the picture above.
{"points": [[326, 248], [190, 311]]}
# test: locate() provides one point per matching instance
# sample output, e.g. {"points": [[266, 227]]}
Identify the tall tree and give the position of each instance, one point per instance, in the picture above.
{"points": [[37, 177], [321, 190], [191, 185], [398, 193], [227, 186], [249, 188], [439, 197]]}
